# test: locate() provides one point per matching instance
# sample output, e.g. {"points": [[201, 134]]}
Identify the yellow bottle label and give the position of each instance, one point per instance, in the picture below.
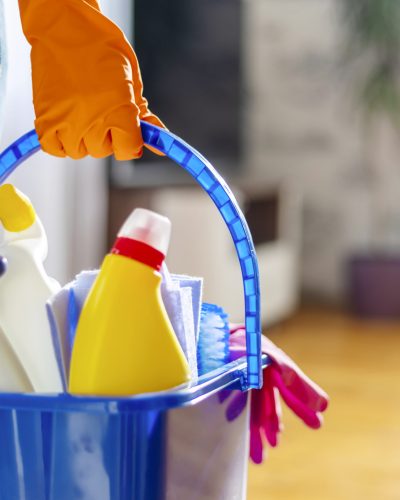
{"points": [[16, 210], [124, 342]]}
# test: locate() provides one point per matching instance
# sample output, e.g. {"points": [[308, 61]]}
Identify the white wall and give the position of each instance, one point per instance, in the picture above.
{"points": [[121, 12], [70, 197]]}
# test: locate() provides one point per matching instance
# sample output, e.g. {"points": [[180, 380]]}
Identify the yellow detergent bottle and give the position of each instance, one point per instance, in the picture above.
{"points": [[124, 341]]}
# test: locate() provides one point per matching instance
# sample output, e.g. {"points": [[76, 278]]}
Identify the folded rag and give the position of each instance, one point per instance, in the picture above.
{"points": [[182, 300], [196, 286], [63, 311]]}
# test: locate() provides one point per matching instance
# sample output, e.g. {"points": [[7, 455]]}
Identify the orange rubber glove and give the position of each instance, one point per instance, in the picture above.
{"points": [[87, 87]]}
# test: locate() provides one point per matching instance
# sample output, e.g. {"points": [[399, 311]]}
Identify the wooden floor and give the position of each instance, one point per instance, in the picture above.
{"points": [[356, 455]]}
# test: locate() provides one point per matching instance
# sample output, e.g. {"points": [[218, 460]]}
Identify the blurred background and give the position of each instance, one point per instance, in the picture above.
{"points": [[297, 103]]}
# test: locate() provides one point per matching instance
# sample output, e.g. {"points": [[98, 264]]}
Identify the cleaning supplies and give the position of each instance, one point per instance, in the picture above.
{"points": [[213, 343], [24, 290], [124, 342], [181, 296]]}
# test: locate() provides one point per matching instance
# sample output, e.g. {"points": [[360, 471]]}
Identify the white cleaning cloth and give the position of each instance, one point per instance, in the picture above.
{"points": [[196, 286], [63, 311], [182, 299]]}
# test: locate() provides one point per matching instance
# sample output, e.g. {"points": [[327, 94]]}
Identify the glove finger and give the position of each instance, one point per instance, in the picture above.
{"points": [[73, 146], [51, 144], [256, 408], [278, 408], [256, 445], [224, 395], [236, 406], [271, 432], [98, 141], [307, 415], [305, 389], [149, 117], [270, 419], [271, 408], [126, 135], [124, 147]]}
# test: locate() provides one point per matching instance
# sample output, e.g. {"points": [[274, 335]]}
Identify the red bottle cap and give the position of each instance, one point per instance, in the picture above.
{"points": [[137, 250], [144, 237]]}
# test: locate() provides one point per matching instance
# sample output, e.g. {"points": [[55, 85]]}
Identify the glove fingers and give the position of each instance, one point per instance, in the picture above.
{"points": [[119, 134], [98, 141], [308, 416]]}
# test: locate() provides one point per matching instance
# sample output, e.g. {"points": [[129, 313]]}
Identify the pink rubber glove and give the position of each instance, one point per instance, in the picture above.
{"points": [[283, 377]]}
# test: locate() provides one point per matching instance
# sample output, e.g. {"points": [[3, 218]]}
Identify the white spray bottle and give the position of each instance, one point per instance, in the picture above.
{"points": [[24, 290]]}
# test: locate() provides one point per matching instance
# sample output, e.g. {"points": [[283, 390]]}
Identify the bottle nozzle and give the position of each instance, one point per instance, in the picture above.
{"points": [[16, 211], [148, 227]]}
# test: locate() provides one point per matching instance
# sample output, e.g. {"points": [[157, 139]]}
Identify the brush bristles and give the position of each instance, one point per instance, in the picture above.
{"points": [[213, 344]]}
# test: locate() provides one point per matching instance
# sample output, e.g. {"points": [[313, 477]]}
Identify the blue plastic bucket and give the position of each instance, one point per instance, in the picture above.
{"points": [[175, 445]]}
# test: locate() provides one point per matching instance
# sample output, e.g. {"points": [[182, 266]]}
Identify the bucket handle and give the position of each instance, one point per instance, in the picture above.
{"points": [[215, 186]]}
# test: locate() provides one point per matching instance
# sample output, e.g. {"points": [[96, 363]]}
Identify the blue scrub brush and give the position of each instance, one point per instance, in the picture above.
{"points": [[213, 343]]}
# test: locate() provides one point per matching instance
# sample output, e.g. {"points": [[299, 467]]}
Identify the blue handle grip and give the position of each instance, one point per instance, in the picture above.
{"points": [[213, 184]]}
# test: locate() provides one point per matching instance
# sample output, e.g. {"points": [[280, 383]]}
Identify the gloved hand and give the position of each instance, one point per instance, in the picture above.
{"points": [[87, 87], [283, 377]]}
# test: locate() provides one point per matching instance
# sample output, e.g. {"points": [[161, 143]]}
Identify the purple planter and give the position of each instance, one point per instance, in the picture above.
{"points": [[374, 286]]}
